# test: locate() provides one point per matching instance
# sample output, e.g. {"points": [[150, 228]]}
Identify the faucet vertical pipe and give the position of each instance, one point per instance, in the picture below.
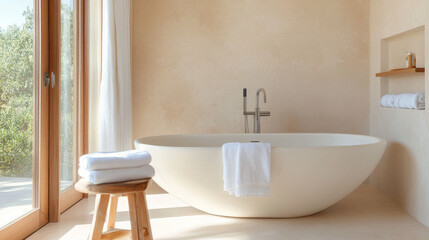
{"points": [[257, 118], [256, 121]]}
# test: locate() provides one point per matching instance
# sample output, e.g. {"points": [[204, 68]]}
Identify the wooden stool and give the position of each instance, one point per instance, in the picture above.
{"points": [[139, 217]]}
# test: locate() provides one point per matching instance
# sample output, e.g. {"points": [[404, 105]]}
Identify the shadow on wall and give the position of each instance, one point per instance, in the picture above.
{"points": [[292, 123], [281, 122], [399, 168]]}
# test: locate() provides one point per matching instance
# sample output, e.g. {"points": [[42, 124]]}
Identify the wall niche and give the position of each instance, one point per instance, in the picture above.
{"points": [[393, 56]]}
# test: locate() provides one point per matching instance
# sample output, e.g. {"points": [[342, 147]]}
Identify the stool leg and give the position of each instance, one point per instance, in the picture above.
{"points": [[100, 209], [112, 212], [133, 216], [143, 216]]}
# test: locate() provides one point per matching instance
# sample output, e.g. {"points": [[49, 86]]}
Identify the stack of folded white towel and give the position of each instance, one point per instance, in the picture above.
{"points": [[404, 100], [115, 166]]}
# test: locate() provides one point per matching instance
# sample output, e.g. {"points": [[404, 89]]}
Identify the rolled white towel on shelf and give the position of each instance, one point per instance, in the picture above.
{"points": [[404, 100], [410, 100], [116, 175], [387, 100], [421, 97], [113, 160], [421, 101]]}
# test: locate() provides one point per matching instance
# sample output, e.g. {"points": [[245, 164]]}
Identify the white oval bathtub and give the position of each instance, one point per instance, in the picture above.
{"points": [[309, 172]]}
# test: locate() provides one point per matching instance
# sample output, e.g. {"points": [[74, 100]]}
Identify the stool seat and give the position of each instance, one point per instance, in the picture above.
{"points": [[109, 192], [85, 186]]}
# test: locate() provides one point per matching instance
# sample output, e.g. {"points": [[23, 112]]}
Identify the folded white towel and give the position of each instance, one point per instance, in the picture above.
{"points": [[404, 100], [246, 169], [387, 100], [112, 160], [116, 175]]}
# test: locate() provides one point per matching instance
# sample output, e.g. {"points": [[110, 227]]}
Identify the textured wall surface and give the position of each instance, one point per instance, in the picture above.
{"points": [[403, 172], [191, 59]]}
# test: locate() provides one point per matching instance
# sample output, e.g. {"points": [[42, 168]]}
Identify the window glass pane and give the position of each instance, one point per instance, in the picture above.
{"points": [[67, 96], [17, 159]]}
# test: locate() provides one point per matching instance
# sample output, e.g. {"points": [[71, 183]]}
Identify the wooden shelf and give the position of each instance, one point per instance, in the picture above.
{"points": [[399, 71]]}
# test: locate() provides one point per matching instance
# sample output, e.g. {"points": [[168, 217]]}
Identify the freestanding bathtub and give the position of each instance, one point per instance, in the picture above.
{"points": [[309, 172]]}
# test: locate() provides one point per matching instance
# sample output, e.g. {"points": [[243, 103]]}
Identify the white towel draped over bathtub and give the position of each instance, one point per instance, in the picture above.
{"points": [[246, 168]]}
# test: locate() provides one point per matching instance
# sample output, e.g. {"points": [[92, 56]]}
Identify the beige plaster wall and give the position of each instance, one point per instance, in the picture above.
{"points": [[191, 59], [403, 172]]}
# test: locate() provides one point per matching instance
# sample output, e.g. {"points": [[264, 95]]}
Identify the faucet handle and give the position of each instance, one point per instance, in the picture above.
{"points": [[265, 113]]}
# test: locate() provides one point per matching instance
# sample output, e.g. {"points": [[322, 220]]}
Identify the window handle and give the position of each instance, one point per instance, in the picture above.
{"points": [[52, 80], [46, 79]]}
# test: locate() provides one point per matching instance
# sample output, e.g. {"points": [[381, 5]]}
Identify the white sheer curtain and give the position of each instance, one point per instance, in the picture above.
{"points": [[115, 114]]}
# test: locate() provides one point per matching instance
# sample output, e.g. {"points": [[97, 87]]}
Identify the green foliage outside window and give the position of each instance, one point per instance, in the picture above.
{"points": [[16, 98]]}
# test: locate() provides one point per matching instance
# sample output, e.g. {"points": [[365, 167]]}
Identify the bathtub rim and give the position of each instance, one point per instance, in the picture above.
{"points": [[377, 140]]}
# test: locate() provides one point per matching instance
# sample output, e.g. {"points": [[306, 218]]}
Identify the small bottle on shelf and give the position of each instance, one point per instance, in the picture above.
{"points": [[409, 60]]}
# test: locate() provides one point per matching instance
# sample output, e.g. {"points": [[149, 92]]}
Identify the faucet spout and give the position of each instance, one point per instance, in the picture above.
{"points": [[257, 96]]}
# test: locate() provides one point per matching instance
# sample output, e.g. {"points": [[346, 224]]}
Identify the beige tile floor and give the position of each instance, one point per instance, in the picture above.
{"points": [[365, 214]]}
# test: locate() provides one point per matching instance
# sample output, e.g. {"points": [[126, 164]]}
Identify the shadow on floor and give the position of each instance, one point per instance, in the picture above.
{"points": [[164, 213]]}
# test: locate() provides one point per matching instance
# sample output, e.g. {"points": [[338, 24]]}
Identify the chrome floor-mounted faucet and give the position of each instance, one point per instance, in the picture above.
{"points": [[257, 113]]}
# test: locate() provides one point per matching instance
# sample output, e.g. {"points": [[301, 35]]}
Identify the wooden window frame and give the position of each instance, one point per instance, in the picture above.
{"points": [[61, 201], [51, 202], [36, 218]]}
